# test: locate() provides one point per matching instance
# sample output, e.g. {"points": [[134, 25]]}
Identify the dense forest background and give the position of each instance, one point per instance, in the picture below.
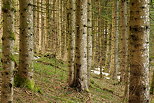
{"points": [[77, 51]]}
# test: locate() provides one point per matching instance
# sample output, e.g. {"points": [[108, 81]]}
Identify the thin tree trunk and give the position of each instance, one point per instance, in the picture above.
{"points": [[89, 40], [124, 46], [124, 31], [7, 51], [35, 24], [114, 43], [71, 53]]}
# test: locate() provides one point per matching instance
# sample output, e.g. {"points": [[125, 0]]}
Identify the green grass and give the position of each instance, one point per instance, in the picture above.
{"points": [[56, 79], [51, 76]]}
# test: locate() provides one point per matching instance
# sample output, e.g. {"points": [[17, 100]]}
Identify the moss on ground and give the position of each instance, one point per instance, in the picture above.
{"points": [[23, 82]]}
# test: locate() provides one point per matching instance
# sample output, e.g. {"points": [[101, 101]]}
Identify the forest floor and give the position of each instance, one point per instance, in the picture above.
{"points": [[51, 75]]}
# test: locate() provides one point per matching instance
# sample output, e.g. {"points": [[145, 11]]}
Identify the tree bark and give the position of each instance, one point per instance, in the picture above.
{"points": [[71, 48], [139, 51], [7, 51], [24, 77], [81, 80], [114, 42], [89, 40]]}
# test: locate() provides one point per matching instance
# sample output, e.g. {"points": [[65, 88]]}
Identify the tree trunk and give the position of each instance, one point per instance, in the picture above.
{"points": [[89, 40], [114, 42], [123, 44], [81, 80], [24, 76], [139, 51], [43, 30], [72, 32], [7, 51], [35, 24]]}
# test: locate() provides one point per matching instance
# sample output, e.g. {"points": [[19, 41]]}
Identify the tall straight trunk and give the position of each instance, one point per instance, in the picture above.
{"points": [[115, 73], [16, 25], [71, 48], [108, 48], [139, 51], [100, 38], [97, 39], [49, 22], [63, 48], [54, 35], [123, 36], [112, 39], [124, 45], [104, 46], [7, 51], [89, 40], [24, 77], [64, 31], [114, 43], [35, 24], [94, 32], [81, 80], [101, 45], [43, 30], [60, 28], [38, 32]]}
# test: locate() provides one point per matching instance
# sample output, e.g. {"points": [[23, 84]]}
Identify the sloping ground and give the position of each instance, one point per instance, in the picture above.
{"points": [[51, 77]]}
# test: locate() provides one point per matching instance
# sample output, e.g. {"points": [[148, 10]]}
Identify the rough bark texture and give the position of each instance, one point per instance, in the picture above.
{"points": [[81, 82], [38, 30], [89, 40], [123, 44], [43, 25], [35, 24], [114, 42], [71, 48], [139, 51], [7, 51], [108, 48], [24, 77]]}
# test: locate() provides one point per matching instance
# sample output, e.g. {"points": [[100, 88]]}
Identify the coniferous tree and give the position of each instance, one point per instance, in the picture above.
{"points": [[7, 51], [24, 77], [71, 48], [139, 51], [80, 79], [89, 40]]}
